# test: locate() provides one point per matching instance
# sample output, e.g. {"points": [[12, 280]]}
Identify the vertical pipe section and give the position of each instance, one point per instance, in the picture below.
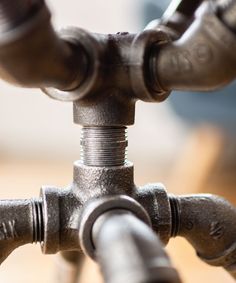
{"points": [[128, 251], [104, 146]]}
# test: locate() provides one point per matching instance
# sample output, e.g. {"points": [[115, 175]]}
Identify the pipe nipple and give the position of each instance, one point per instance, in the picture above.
{"points": [[104, 146]]}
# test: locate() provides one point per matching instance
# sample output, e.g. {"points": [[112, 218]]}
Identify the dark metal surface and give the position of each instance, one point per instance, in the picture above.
{"points": [[128, 251], [31, 53], [21, 223], [202, 59], [103, 213]]}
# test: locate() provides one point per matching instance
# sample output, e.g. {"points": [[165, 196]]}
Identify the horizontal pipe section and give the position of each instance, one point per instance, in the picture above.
{"points": [[21, 222]]}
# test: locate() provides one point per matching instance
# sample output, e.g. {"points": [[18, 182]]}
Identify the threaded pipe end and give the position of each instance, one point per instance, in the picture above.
{"points": [[38, 223], [175, 215], [104, 146]]}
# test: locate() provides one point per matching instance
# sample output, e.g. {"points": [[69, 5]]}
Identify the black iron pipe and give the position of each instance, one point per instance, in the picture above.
{"points": [[31, 53], [21, 222], [208, 222], [128, 250], [179, 15], [203, 59]]}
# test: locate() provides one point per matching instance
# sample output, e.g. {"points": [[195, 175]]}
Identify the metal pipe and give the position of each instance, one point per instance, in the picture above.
{"points": [[31, 53], [128, 250], [179, 15], [21, 223], [203, 59], [177, 18], [208, 222]]}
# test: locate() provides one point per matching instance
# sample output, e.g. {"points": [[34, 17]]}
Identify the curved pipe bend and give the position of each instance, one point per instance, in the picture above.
{"points": [[31, 53], [203, 59], [208, 222]]}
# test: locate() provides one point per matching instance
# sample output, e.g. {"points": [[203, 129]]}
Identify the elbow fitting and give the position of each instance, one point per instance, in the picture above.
{"points": [[31, 53], [203, 59], [208, 223]]}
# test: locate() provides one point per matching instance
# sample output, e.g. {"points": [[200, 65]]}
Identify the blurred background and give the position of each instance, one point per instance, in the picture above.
{"points": [[187, 142]]}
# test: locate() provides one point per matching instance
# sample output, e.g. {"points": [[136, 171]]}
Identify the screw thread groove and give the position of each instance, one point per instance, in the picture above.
{"points": [[38, 225], [104, 146], [175, 215]]}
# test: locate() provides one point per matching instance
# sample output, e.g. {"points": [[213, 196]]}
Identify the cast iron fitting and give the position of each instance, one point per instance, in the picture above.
{"points": [[155, 200], [61, 212], [25, 33], [208, 222], [145, 86], [203, 59], [128, 250], [21, 223]]}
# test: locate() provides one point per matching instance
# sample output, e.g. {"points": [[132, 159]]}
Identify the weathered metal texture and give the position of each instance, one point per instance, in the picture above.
{"points": [[202, 59], [102, 212], [128, 250], [91, 182], [208, 222], [154, 198], [21, 223]]}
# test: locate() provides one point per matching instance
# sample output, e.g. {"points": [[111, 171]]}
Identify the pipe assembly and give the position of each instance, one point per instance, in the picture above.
{"points": [[102, 213]]}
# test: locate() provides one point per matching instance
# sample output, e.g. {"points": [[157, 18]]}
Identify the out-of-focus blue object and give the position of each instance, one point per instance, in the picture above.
{"points": [[217, 108]]}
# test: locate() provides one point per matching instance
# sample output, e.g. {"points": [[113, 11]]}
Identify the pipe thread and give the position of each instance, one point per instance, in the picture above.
{"points": [[175, 215], [38, 224], [104, 146]]}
